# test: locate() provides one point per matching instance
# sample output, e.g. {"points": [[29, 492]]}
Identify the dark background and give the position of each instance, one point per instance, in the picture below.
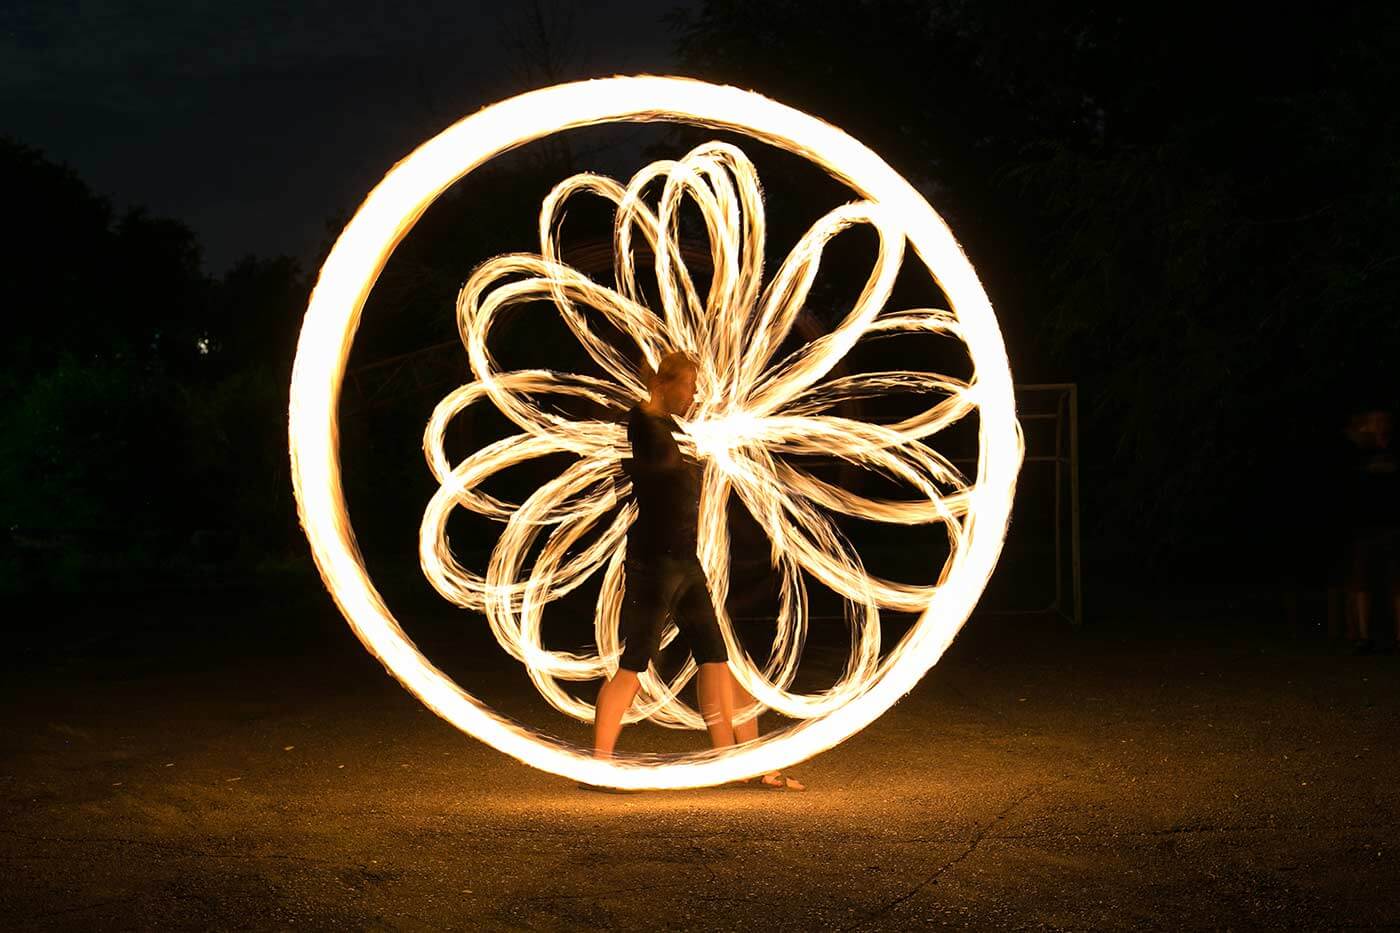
{"points": [[1192, 217]]}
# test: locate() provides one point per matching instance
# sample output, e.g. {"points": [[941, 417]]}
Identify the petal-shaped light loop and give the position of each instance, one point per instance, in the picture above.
{"points": [[755, 419]]}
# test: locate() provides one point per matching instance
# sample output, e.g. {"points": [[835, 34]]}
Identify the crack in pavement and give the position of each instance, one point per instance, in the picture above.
{"points": [[1143, 833], [600, 895], [953, 862]]}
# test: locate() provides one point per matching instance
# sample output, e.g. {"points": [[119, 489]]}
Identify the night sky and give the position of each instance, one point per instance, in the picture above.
{"points": [[257, 122]]}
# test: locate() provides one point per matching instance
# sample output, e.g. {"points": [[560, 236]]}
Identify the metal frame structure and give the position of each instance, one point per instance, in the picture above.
{"points": [[1066, 460]]}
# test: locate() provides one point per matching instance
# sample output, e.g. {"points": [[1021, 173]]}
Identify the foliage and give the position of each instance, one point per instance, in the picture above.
{"points": [[1198, 224], [145, 400]]}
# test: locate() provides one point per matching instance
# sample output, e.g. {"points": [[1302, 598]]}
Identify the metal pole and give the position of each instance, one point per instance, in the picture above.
{"points": [[1060, 398], [1074, 501]]}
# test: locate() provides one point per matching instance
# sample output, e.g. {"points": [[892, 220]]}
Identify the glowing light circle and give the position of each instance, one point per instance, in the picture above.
{"points": [[392, 208]]}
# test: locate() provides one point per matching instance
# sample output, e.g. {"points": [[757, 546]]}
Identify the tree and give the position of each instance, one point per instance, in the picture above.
{"points": [[1196, 224], [146, 403]]}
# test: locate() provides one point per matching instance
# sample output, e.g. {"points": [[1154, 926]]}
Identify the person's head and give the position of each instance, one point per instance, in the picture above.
{"points": [[672, 385], [1371, 428]]}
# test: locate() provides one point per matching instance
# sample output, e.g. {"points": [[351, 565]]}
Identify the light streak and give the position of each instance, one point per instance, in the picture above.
{"points": [[751, 410]]}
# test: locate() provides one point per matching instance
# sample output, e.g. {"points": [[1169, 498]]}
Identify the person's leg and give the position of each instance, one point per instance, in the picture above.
{"points": [[1361, 614], [717, 702], [644, 608], [613, 700], [695, 615], [746, 731], [719, 690]]}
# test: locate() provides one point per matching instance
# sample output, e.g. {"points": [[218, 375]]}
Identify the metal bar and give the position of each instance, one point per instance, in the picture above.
{"points": [[1059, 506], [1074, 501]]}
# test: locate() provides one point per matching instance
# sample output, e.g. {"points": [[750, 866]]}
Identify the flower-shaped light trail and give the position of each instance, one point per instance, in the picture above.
{"points": [[754, 414], [750, 410]]}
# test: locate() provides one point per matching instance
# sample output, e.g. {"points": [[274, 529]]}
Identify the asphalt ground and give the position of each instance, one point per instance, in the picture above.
{"points": [[216, 763]]}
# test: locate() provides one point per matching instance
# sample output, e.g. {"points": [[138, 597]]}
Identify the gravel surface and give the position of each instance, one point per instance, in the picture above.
{"points": [[251, 767]]}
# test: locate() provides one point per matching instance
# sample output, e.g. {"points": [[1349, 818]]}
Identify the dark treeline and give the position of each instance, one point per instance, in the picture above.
{"points": [[1193, 216], [1196, 220], [143, 428]]}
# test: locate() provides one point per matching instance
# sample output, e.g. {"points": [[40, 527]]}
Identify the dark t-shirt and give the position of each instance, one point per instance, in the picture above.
{"points": [[1374, 500], [667, 485]]}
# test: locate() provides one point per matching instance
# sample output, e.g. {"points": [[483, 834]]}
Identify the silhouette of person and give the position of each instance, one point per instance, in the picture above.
{"points": [[1373, 513], [664, 576]]}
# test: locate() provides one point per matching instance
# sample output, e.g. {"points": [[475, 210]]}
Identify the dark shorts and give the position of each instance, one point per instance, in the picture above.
{"points": [[1373, 560], [658, 587]]}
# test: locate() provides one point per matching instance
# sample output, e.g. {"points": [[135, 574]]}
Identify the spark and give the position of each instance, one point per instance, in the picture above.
{"points": [[753, 411]]}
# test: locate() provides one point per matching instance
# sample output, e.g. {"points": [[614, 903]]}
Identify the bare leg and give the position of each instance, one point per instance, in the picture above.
{"points": [[743, 701], [717, 702], [1361, 609], [613, 699], [748, 732]]}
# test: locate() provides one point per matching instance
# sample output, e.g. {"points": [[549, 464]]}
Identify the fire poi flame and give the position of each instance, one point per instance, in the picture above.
{"points": [[750, 411]]}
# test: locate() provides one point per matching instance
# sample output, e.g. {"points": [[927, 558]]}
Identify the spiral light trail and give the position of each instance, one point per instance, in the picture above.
{"points": [[753, 411]]}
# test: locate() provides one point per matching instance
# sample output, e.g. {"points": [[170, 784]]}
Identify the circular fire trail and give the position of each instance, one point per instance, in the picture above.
{"points": [[751, 410]]}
